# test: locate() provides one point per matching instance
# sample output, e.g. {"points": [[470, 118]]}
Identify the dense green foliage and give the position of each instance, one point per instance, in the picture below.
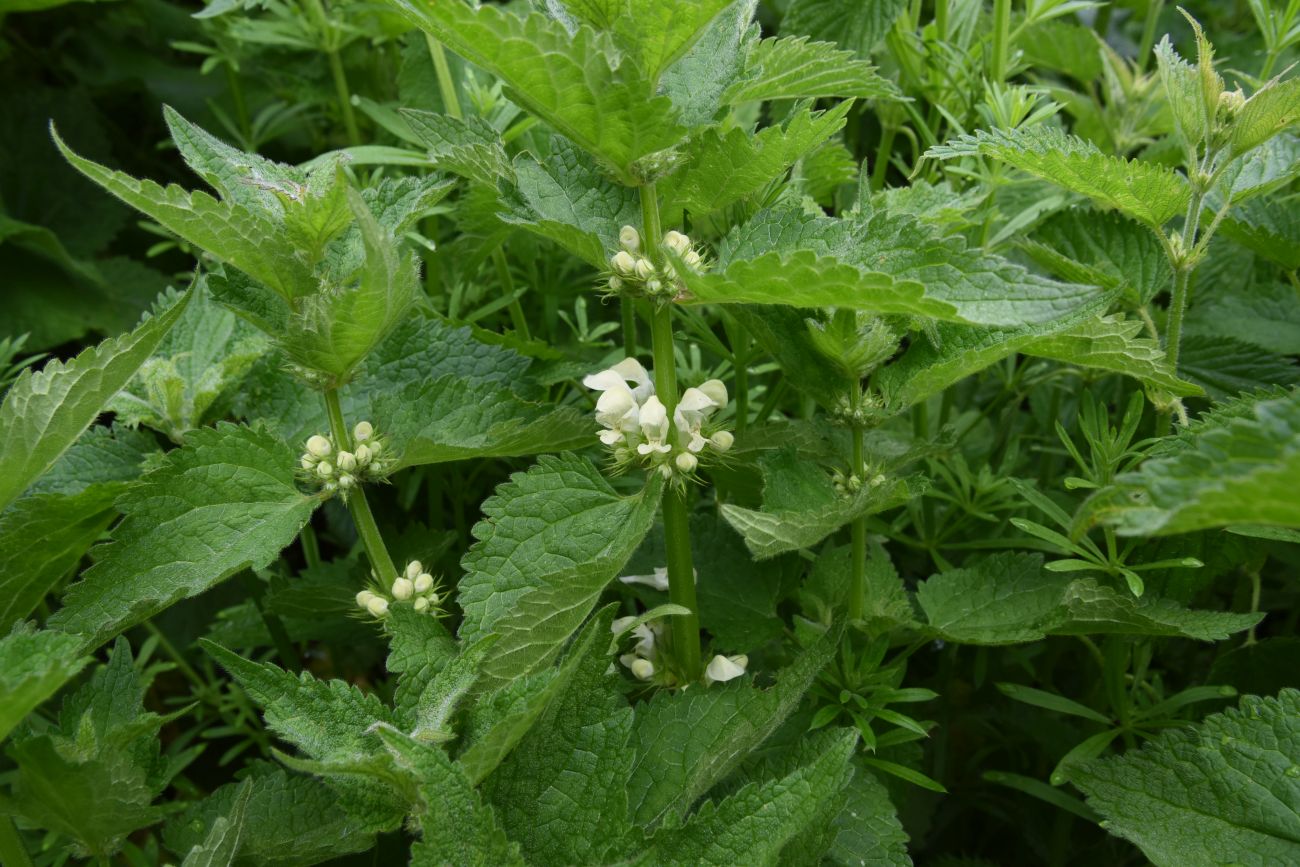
{"points": [[595, 432]]}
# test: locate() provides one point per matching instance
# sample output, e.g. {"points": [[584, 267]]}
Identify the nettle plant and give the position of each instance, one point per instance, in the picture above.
{"points": [[683, 633]]}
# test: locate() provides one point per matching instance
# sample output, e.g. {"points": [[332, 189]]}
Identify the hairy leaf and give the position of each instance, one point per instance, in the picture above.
{"points": [[221, 846], [794, 68], [858, 27], [33, 665], [1088, 246]]}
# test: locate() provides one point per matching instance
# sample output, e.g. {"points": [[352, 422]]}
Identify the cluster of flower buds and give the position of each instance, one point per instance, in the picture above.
{"points": [[414, 585], [635, 425], [849, 485], [341, 470], [868, 412], [633, 273], [644, 663]]}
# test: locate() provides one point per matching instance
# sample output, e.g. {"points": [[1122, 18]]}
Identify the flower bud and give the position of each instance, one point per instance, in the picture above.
{"points": [[377, 606], [622, 623], [615, 283], [325, 469], [692, 259], [403, 588], [364, 597], [363, 455], [375, 448], [421, 604], [363, 431], [642, 669], [630, 238], [433, 598], [347, 461], [346, 481], [308, 462], [644, 269], [423, 582], [722, 440], [331, 486], [654, 286], [413, 569], [623, 263], [319, 447], [687, 462], [721, 669], [677, 242], [716, 391]]}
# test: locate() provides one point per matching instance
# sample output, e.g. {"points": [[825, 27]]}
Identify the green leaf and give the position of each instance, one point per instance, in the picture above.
{"points": [[1147, 192], [45, 412], [687, 742], [1088, 246], [1226, 367], [443, 420], [566, 79], [1267, 226], [456, 826], [33, 665], [801, 505], [226, 501], [881, 263], [1271, 110], [562, 792], [102, 455], [1003, 599], [419, 647], [221, 845], [695, 83], [794, 68], [1183, 87], [42, 538], [1236, 466], [752, 825], [1222, 791], [1092, 608], [470, 147], [1051, 701], [1264, 314], [291, 821], [655, 34], [858, 27], [551, 540], [867, 830], [1111, 343], [443, 693], [722, 168]]}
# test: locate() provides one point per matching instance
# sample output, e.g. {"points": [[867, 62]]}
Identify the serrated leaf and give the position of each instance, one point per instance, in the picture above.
{"points": [[102, 455], [567, 79], [1269, 227], [33, 665], [1271, 110], [1004, 599], [721, 168], [1113, 252], [1264, 314], [1221, 791], [687, 742], [225, 501], [221, 846], [655, 34], [795, 68], [552, 539], [1183, 88], [882, 263], [752, 825], [696, 82], [1226, 367], [1092, 608], [419, 647], [1111, 343], [856, 26], [867, 829], [562, 792], [1147, 192], [1235, 467], [470, 147], [45, 412]]}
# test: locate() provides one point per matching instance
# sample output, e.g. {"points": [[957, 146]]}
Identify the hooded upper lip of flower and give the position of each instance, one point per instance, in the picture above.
{"points": [[618, 407], [692, 411]]}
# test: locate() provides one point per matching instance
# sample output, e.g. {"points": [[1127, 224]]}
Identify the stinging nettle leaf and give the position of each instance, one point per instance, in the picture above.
{"points": [[795, 68], [33, 665]]}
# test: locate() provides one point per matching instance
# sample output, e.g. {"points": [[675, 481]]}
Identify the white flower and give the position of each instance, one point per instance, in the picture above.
{"points": [[722, 669], [325, 469], [642, 669], [659, 580], [722, 440], [654, 427], [687, 462], [622, 623], [630, 238], [403, 588], [347, 461], [413, 569], [716, 389], [677, 242], [618, 376], [363, 455], [623, 263], [377, 606], [645, 269], [346, 481], [421, 604], [363, 431], [364, 597], [308, 462], [319, 447], [423, 582], [645, 640]]}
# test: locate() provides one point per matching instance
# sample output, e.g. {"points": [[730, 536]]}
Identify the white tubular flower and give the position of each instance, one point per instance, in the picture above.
{"points": [[413, 569], [377, 606], [617, 411], [644, 269], [630, 238], [423, 582], [642, 669], [716, 390], [618, 376], [403, 588], [363, 431], [363, 598], [623, 263], [319, 447], [722, 669], [659, 580], [645, 640], [686, 462], [627, 659], [622, 623], [654, 427], [677, 242], [722, 440], [325, 469], [347, 461]]}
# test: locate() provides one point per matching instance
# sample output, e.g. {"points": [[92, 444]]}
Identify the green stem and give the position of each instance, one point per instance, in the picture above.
{"points": [[1177, 309], [344, 97], [310, 546], [364, 519], [627, 312], [446, 86], [241, 107], [517, 318], [176, 656], [742, 389], [881, 168], [12, 851], [1001, 40], [1254, 602], [685, 630], [1154, 7], [858, 537]]}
